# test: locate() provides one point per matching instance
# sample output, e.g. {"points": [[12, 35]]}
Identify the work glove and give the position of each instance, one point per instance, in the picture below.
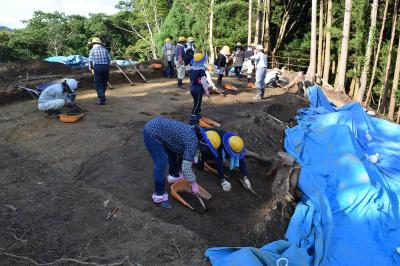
{"points": [[226, 186], [246, 182], [195, 188]]}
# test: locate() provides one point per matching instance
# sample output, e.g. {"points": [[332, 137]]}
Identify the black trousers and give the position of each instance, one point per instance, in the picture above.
{"points": [[196, 110]]}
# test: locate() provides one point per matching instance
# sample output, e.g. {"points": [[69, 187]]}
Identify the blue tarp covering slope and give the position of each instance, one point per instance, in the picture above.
{"points": [[71, 60], [350, 180]]}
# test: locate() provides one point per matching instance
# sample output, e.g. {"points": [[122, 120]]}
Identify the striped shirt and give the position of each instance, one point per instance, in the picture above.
{"points": [[99, 55]]}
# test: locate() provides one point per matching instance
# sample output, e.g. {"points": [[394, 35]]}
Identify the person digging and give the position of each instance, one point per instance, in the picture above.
{"points": [[56, 96], [176, 144], [231, 149]]}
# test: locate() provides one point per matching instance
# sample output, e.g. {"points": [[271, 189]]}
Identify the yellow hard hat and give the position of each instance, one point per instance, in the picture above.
{"points": [[226, 49], [181, 39], [167, 39], [96, 40], [214, 139], [236, 143], [190, 39], [198, 57]]}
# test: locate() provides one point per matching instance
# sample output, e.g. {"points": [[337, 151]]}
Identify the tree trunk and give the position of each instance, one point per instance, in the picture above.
{"points": [[352, 85], [398, 116], [389, 57], [370, 46], [378, 51], [392, 105], [328, 42], [266, 43], [257, 36], [342, 65], [313, 53], [263, 23], [210, 36], [320, 40], [250, 21]]}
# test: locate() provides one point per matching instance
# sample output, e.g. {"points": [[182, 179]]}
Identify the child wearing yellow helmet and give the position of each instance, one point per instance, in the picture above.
{"points": [[218, 145], [199, 85]]}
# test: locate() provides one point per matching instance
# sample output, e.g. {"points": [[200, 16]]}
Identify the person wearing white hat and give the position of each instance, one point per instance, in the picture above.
{"points": [[56, 96], [261, 69]]}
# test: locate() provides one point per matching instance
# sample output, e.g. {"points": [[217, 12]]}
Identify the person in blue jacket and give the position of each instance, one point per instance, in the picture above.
{"points": [[220, 146], [173, 142], [198, 85]]}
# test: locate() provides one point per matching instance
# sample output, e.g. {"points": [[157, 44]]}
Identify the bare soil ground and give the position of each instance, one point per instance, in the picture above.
{"points": [[55, 178]]}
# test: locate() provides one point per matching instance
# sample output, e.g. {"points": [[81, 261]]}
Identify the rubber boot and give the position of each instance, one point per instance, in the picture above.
{"points": [[248, 80], [262, 91], [219, 80], [179, 83], [258, 95]]}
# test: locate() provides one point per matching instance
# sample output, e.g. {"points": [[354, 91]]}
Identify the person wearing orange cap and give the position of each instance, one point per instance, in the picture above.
{"points": [[221, 63], [199, 85], [220, 146]]}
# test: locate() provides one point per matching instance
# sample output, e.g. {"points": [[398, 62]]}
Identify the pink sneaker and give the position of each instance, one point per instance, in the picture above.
{"points": [[172, 179]]}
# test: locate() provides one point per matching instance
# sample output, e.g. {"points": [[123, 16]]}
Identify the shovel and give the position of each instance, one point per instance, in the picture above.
{"points": [[184, 186]]}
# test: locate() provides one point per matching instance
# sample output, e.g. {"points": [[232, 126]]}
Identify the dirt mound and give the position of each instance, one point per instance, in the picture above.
{"points": [[11, 71]]}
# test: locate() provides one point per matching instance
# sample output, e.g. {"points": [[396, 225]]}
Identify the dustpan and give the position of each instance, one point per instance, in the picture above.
{"points": [[184, 186], [208, 123], [251, 85], [230, 87]]}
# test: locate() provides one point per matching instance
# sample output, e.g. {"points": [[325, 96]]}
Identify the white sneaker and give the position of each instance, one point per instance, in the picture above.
{"points": [[172, 179], [226, 186], [257, 98]]}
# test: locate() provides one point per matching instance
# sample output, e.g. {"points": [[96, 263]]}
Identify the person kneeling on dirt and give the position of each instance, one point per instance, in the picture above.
{"points": [[198, 85], [261, 69], [231, 148], [56, 96], [173, 142]]}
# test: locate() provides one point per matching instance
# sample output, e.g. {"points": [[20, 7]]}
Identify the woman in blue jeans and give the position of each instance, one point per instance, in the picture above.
{"points": [[173, 142]]}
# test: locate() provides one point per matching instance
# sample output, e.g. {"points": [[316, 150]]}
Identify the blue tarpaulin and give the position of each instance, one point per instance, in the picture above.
{"points": [[71, 60], [350, 184]]}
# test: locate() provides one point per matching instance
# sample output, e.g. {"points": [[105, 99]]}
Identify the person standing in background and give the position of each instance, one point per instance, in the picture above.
{"points": [[261, 70], [168, 53], [179, 56], [238, 59], [99, 61]]}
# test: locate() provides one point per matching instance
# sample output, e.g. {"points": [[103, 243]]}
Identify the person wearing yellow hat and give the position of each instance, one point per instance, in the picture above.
{"points": [[221, 63], [199, 85], [168, 53], [99, 61], [179, 56], [219, 146]]}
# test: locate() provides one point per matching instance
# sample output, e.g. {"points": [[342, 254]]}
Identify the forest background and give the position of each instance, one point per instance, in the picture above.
{"points": [[351, 44]]}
